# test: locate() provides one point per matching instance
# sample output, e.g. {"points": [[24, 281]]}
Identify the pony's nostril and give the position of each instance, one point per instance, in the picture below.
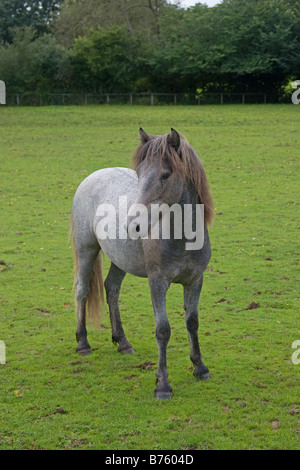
{"points": [[138, 228]]}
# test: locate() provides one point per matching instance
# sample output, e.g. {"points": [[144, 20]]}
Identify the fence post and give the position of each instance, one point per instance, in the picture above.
{"points": [[152, 99], [265, 98], [243, 98], [221, 98], [107, 98], [175, 99], [18, 100]]}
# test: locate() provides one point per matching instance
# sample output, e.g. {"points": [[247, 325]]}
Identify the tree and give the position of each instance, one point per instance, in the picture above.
{"points": [[149, 45], [239, 45], [105, 61], [177, 61], [77, 17], [20, 13], [261, 42], [33, 63]]}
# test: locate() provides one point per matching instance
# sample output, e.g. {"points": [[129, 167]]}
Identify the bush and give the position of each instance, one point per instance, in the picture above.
{"points": [[33, 63]]}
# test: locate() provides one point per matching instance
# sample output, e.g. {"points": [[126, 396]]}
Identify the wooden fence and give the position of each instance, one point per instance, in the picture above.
{"points": [[151, 99]]}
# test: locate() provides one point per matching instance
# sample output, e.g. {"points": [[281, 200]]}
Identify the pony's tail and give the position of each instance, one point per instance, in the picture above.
{"points": [[95, 301]]}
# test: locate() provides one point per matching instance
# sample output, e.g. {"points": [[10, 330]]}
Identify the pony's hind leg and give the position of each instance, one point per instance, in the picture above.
{"points": [[112, 286], [191, 302], [86, 260]]}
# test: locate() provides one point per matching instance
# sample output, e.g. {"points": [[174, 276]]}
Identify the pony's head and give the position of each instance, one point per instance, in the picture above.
{"points": [[164, 164]]}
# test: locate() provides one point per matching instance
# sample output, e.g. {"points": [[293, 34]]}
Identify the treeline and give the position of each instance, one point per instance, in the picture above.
{"points": [[149, 45]]}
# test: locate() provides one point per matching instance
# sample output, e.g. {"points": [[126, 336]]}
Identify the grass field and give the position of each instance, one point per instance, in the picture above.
{"points": [[51, 398]]}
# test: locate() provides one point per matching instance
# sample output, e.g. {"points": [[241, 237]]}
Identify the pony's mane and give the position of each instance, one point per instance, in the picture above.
{"points": [[185, 163]]}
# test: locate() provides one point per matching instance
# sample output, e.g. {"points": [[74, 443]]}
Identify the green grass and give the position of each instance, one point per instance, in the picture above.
{"points": [[51, 398]]}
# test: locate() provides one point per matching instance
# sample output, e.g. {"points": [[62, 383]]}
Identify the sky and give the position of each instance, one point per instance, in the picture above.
{"points": [[190, 3]]}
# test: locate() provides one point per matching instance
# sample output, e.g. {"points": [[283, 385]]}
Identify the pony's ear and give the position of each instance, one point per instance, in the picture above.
{"points": [[144, 136], [174, 140]]}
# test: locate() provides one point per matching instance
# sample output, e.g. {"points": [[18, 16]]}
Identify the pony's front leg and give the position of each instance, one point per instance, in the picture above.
{"points": [[191, 303], [159, 287]]}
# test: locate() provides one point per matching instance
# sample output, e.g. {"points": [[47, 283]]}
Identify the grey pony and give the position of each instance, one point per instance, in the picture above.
{"points": [[166, 170]]}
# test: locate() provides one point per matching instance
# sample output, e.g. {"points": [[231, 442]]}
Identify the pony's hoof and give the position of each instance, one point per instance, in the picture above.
{"points": [[201, 372], [161, 395], [203, 376], [83, 351], [127, 351], [125, 347]]}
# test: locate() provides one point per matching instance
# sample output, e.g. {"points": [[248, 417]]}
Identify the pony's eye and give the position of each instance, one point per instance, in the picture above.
{"points": [[165, 176]]}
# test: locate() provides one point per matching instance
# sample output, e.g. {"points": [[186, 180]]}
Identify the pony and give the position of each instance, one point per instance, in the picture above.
{"points": [[166, 172]]}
